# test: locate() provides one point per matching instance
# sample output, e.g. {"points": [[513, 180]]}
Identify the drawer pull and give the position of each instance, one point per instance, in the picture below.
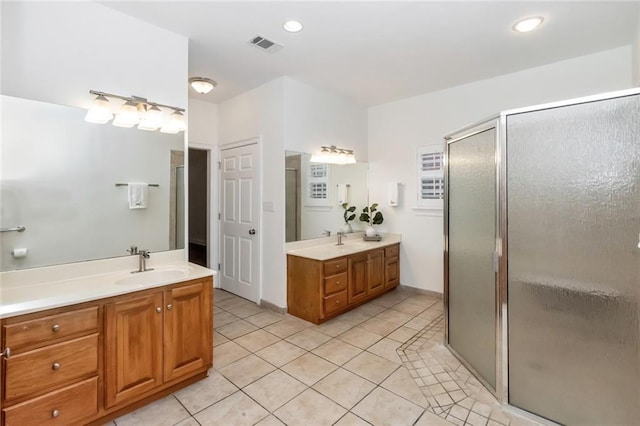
{"points": [[169, 307], [6, 353], [337, 266], [158, 309], [55, 328], [55, 366], [55, 413]]}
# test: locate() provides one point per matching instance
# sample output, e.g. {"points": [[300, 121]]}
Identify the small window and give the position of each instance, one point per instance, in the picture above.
{"points": [[317, 184], [430, 183]]}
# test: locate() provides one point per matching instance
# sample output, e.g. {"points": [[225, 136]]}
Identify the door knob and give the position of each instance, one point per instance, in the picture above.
{"points": [[252, 231]]}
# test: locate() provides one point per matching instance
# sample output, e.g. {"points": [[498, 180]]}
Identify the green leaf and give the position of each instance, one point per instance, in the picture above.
{"points": [[365, 210], [353, 216], [364, 217], [344, 205], [377, 218], [352, 209], [374, 206]]}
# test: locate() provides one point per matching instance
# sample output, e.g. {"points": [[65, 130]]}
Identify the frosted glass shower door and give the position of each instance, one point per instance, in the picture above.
{"points": [[471, 208], [573, 205]]}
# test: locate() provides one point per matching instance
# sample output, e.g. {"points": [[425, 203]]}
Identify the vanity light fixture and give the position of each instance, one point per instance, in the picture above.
{"points": [[202, 85], [333, 155], [528, 24], [292, 26], [147, 115]]}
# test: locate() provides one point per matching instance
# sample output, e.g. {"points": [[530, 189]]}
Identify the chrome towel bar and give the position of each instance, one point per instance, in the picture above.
{"points": [[18, 228]]}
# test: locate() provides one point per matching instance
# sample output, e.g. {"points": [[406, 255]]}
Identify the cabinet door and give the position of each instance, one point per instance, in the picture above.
{"points": [[188, 329], [357, 277], [392, 272], [133, 347], [375, 271]]}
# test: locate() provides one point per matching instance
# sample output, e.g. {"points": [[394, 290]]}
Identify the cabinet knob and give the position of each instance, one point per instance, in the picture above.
{"points": [[158, 309], [55, 366], [337, 282], [55, 328], [337, 302], [6, 353], [169, 307], [55, 413]]}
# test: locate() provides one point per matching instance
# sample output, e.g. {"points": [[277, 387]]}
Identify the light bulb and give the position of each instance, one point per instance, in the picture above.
{"points": [[100, 111], [528, 24], [128, 115], [152, 119]]}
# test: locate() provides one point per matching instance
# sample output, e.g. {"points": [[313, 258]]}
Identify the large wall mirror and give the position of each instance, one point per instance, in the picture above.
{"points": [[59, 179], [315, 193]]}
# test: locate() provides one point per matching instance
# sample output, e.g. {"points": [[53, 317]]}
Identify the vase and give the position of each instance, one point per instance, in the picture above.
{"points": [[370, 231], [347, 229]]}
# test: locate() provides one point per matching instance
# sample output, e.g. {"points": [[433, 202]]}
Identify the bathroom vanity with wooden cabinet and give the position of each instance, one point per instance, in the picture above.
{"points": [[90, 362], [325, 281]]}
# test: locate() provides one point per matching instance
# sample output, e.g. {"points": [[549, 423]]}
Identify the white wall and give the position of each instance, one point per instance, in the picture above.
{"points": [[288, 115], [57, 51], [636, 53], [396, 129], [203, 123], [313, 117], [259, 112]]}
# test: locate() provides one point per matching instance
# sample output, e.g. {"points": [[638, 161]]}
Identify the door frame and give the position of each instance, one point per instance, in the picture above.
{"points": [[212, 231], [256, 140]]}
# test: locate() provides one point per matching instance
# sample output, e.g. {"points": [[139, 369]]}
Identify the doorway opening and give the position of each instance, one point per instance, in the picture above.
{"points": [[199, 206]]}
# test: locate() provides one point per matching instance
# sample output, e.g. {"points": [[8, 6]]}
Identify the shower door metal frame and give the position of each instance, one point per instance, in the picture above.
{"points": [[496, 122], [499, 122]]}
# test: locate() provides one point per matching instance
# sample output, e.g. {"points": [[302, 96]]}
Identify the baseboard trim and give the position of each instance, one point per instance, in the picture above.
{"points": [[419, 291], [272, 307]]}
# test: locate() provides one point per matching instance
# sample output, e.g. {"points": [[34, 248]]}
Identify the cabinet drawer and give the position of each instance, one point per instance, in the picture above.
{"points": [[50, 366], [335, 266], [66, 406], [50, 327], [335, 303], [335, 283], [392, 251]]}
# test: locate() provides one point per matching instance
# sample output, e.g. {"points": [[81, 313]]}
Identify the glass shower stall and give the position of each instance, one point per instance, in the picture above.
{"points": [[542, 257]]}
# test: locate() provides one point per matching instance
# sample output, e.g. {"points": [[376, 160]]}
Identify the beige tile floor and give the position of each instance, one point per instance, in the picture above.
{"points": [[368, 366]]}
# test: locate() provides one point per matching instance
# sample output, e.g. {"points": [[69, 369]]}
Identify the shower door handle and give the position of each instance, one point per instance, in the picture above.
{"points": [[496, 263]]}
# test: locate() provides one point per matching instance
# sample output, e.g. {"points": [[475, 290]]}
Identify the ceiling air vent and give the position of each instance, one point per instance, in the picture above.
{"points": [[265, 44]]}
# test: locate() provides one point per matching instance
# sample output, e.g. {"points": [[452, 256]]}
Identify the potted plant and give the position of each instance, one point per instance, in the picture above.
{"points": [[348, 215], [372, 216]]}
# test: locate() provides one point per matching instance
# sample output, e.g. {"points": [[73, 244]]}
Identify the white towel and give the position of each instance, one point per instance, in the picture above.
{"points": [[138, 195]]}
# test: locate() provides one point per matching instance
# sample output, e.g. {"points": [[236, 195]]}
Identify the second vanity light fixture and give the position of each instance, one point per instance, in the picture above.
{"points": [[147, 115], [333, 155]]}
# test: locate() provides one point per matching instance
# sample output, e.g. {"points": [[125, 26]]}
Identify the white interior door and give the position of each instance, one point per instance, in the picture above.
{"points": [[240, 220]]}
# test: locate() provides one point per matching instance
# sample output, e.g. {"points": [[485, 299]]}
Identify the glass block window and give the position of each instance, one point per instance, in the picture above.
{"points": [[430, 174]]}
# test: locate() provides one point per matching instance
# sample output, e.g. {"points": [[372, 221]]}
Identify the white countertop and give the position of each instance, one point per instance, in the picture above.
{"points": [[352, 244], [23, 292]]}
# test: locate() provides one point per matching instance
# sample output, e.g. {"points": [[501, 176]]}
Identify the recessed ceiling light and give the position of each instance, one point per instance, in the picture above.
{"points": [[528, 24], [292, 26]]}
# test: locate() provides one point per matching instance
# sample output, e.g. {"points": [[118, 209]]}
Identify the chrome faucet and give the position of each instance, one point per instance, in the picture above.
{"points": [[133, 250], [143, 255], [340, 235], [326, 233]]}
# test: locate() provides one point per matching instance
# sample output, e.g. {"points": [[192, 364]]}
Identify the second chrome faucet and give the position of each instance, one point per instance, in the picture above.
{"points": [[143, 255]]}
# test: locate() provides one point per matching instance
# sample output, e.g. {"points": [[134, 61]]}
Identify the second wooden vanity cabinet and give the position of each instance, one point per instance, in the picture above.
{"points": [[318, 290], [86, 363]]}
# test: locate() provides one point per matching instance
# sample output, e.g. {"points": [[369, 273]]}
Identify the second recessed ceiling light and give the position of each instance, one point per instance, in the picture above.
{"points": [[292, 26], [528, 24]]}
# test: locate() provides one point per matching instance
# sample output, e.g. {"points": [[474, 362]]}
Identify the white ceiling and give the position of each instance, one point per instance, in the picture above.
{"points": [[377, 52]]}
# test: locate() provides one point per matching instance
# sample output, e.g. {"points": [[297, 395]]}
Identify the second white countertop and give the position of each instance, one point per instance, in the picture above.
{"points": [[351, 245]]}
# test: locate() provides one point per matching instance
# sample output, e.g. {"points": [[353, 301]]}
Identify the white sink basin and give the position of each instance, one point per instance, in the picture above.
{"points": [[157, 276]]}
